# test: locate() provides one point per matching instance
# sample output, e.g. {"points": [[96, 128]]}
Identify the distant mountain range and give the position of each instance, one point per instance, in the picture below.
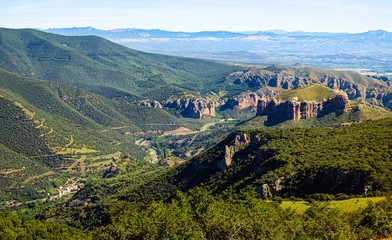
{"points": [[157, 33], [368, 50]]}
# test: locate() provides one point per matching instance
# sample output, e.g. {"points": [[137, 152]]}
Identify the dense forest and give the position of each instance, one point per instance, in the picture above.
{"points": [[200, 215]]}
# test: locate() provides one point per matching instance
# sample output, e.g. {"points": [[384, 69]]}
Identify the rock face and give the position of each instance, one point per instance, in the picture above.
{"points": [[193, 107], [240, 142], [293, 110], [337, 104], [150, 104], [242, 102]]}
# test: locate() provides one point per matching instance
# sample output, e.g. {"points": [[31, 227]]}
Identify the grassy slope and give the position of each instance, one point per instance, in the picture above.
{"points": [[348, 205], [314, 92]]}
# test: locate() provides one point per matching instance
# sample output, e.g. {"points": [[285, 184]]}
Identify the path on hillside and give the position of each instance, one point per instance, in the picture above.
{"points": [[10, 171], [45, 174], [46, 134]]}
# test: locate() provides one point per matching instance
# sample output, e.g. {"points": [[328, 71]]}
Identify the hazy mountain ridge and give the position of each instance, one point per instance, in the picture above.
{"points": [[158, 33]]}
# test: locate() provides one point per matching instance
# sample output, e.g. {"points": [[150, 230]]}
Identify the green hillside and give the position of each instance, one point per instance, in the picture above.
{"points": [[94, 63], [23, 155], [65, 132], [80, 107], [17, 131]]}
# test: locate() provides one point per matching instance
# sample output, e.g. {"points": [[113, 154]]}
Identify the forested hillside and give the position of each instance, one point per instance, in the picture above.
{"points": [[285, 162]]}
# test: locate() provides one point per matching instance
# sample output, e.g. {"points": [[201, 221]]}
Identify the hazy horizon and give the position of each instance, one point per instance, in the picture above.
{"points": [[219, 30]]}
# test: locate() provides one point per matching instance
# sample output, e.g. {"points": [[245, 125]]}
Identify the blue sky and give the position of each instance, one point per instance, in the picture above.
{"points": [[198, 15]]}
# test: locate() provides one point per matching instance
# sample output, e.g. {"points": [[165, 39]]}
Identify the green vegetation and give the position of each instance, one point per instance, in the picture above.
{"points": [[13, 226], [85, 119], [17, 131]]}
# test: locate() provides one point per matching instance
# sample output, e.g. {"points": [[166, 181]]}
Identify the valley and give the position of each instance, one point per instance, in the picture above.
{"points": [[103, 142]]}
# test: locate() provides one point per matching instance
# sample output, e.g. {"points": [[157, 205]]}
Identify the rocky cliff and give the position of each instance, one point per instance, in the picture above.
{"points": [[193, 107], [294, 110], [356, 86], [244, 101]]}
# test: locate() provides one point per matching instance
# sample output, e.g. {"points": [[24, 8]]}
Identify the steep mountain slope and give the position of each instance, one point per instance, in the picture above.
{"points": [[94, 63], [82, 107]]}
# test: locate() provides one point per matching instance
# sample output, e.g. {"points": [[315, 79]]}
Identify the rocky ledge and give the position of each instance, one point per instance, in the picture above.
{"points": [[193, 107], [294, 110]]}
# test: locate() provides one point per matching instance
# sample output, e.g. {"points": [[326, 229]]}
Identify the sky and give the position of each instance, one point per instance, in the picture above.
{"points": [[201, 15]]}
